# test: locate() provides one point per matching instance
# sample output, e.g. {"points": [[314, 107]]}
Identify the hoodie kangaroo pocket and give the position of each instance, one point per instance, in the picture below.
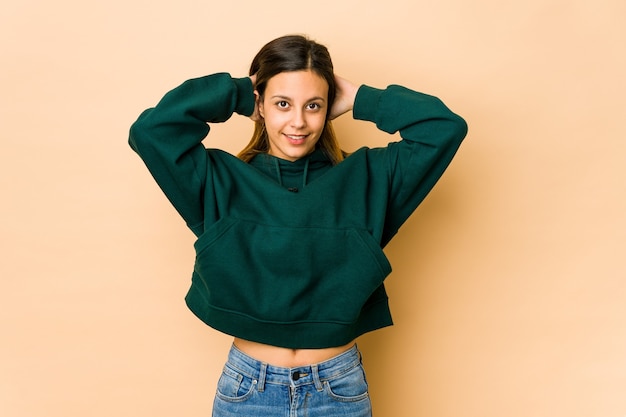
{"points": [[285, 275], [214, 233]]}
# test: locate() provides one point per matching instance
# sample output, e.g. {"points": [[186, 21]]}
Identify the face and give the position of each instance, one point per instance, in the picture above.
{"points": [[294, 108]]}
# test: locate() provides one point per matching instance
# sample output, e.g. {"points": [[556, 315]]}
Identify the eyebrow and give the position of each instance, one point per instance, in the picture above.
{"points": [[289, 98]]}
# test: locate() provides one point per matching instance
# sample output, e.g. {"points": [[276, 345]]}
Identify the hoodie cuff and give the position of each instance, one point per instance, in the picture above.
{"points": [[245, 96], [366, 103]]}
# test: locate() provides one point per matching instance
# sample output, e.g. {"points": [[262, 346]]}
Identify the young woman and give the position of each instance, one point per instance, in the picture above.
{"points": [[289, 255]]}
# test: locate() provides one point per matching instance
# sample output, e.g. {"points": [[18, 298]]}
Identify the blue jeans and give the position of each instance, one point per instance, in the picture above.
{"points": [[336, 387]]}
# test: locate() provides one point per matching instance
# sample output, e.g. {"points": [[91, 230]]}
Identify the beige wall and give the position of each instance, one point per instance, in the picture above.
{"points": [[509, 286]]}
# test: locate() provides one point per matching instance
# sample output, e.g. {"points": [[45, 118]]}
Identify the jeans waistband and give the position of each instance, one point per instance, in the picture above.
{"points": [[300, 375]]}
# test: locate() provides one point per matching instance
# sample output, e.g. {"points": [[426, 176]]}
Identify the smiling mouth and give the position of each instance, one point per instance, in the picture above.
{"points": [[296, 138]]}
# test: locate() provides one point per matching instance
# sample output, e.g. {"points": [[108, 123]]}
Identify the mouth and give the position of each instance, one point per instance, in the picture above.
{"points": [[296, 139]]}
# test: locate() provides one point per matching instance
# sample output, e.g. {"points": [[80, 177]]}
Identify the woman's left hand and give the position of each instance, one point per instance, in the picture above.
{"points": [[344, 99]]}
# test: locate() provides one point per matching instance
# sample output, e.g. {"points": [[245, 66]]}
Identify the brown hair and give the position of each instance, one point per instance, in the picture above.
{"points": [[293, 53]]}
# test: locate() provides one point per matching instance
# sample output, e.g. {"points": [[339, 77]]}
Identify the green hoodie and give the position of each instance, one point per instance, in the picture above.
{"points": [[290, 253]]}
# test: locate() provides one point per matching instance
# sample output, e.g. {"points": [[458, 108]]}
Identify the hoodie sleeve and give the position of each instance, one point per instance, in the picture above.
{"points": [[431, 134], [168, 137]]}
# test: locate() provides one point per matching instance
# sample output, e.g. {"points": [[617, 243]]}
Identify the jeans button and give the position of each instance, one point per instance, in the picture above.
{"points": [[295, 376]]}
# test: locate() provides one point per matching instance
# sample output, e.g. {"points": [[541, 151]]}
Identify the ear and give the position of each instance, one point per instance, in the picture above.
{"points": [[259, 104]]}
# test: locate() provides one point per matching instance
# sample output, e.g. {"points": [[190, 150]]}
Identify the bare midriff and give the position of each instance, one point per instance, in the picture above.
{"points": [[288, 358]]}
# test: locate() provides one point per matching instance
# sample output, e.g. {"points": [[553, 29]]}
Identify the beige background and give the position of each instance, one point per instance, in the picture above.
{"points": [[509, 286]]}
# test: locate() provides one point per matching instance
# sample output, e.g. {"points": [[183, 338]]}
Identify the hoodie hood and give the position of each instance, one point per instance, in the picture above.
{"points": [[293, 175]]}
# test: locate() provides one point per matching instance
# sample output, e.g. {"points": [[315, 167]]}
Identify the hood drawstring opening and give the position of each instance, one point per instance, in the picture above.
{"points": [[305, 174]]}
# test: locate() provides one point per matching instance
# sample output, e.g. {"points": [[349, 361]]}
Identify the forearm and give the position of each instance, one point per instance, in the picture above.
{"points": [[179, 120], [418, 117]]}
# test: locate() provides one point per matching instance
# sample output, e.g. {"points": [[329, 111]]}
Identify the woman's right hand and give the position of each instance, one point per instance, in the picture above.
{"points": [[255, 116]]}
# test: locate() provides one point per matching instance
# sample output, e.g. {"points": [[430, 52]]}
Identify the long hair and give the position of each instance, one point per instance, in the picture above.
{"points": [[293, 53]]}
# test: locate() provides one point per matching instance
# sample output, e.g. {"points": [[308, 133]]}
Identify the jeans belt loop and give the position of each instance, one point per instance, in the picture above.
{"points": [[261, 385], [316, 378]]}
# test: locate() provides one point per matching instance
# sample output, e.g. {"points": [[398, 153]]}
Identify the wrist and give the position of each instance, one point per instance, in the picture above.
{"points": [[245, 96]]}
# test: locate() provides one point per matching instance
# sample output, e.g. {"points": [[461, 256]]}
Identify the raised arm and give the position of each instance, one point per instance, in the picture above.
{"points": [[431, 134], [169, 136]]}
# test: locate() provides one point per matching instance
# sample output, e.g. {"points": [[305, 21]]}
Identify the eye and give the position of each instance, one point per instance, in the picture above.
{"points": [[313, 106], [282, 104]]}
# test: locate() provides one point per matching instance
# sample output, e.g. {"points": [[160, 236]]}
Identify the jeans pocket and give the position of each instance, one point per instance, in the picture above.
{"points": [[348, 387], [234, 386]]}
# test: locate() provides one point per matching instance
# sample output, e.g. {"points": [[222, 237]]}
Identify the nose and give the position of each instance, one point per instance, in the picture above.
{"points": [[298, 120]]}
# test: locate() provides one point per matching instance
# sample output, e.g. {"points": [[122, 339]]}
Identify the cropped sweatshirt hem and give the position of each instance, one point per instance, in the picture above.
{"points": [[301, 334], [288, 253]]}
